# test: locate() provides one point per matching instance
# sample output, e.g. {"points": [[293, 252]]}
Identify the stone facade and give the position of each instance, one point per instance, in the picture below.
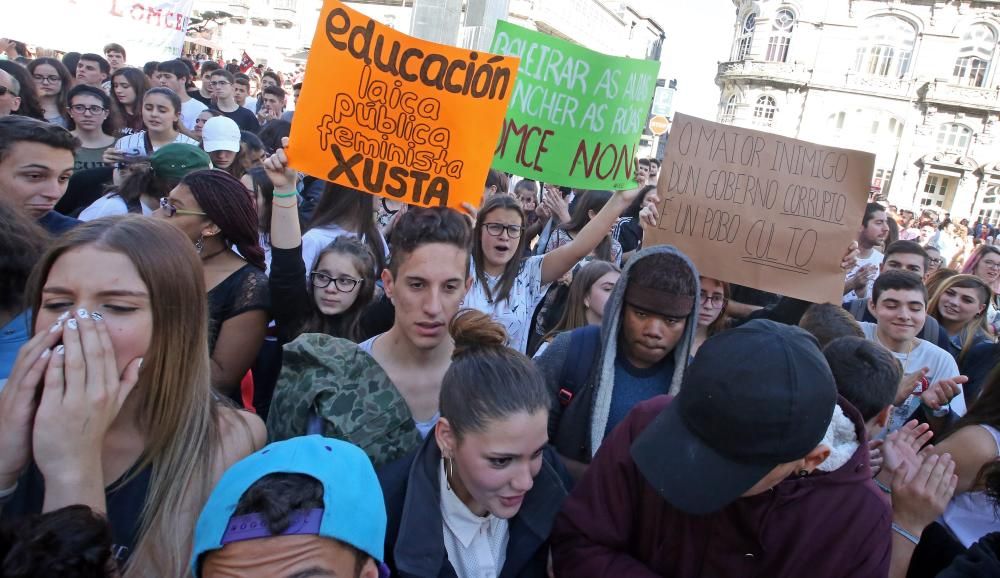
{"points": [[913, 81]]}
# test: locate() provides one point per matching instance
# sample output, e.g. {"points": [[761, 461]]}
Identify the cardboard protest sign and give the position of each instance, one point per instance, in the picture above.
{"points": [[395, 116], [148, 29], [576, 115], [761, 210]]}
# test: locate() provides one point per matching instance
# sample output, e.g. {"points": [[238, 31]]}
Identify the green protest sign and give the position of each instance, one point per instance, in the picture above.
{"points": [[576, 115]]}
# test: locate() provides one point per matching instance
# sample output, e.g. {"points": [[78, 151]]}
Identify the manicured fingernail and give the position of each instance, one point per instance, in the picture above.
{"points": [[71, 324], [55, 327], [81, 313], [64, 316], [60, 349], [96, 316], [46, 353]]}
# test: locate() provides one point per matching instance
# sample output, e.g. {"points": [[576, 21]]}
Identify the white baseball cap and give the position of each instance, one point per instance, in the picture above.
{"points": [[220, 133]]}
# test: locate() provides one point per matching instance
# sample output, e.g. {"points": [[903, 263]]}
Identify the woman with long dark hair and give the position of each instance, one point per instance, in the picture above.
{"points": [[712, 302], [343, 211], [53, 83], [161, 114], [219, 216], [509, 287], [587, 207], [585, 300], [128, 87]]}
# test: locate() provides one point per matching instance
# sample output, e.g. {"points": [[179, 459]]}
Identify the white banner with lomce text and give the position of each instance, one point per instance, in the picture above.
{"points": [[149, 29]]}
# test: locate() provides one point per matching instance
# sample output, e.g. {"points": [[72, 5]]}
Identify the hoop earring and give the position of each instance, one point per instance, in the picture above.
{"points": [[199, 244], [449, 471]]}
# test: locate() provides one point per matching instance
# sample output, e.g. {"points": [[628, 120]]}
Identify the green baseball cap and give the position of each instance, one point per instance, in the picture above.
{"points": [[176, 160]]}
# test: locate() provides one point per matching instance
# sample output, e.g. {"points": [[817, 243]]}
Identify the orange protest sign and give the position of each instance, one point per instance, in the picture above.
{"points": [[396, 116]]}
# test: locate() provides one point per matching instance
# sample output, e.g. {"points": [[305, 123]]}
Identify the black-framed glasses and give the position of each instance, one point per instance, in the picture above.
{"points": [[494, 229], [49, 79], [935, 260], [994, 265], [218, 83], [171, 210], [716, 300], [4, 90], [343, 284], [82, 109]]}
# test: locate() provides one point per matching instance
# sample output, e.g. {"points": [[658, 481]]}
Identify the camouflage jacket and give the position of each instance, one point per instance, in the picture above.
{"points": [[334, 380]]}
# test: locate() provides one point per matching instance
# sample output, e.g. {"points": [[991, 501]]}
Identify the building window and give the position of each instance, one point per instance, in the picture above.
{"points": [[954, 137], [729, 113], [974, 56], [836, 121], [764, 111], [286, 4], [881, 181], [745, 42], [781, 36], [935, 190], [886, 47]]}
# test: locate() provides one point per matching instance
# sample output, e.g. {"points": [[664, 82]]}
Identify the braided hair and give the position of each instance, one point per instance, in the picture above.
{"points": [[232, 207]]}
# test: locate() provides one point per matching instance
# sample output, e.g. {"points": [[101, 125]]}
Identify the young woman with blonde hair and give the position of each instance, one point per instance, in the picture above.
{"points": [[110, 404]]}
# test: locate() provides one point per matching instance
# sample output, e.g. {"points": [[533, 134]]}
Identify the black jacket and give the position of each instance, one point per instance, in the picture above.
{"points": [[414, 538]]}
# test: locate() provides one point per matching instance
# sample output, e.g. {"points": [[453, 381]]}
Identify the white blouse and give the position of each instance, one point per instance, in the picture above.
{"points": [[476, 546]]}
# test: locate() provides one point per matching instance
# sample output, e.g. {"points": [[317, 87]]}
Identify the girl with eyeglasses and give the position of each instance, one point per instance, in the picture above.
{"points": [[712, 319], [337, 290], [53, 82], [509, 287], [90, 122], [128, 88], [218, 215], [959, 304], [109, 404]]}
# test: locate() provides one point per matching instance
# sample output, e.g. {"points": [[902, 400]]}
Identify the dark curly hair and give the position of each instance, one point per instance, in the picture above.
{"points": [[232, 207], [71, 542], [418, 227]]}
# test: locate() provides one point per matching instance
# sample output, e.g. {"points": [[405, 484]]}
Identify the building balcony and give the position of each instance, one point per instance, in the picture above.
{"points": [[284, 12], [788, 73], [240, 9], [941, 92]]}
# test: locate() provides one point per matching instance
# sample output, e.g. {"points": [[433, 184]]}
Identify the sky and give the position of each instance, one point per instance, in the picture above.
{"points": [[698, 36]]}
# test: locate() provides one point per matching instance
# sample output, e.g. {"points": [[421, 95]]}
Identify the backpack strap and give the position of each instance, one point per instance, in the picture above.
{"points": [[584, 345], [857, 308], [932, 332]]}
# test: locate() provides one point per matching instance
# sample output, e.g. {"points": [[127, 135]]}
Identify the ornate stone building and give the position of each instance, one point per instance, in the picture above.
{"points": [[915, 82]]}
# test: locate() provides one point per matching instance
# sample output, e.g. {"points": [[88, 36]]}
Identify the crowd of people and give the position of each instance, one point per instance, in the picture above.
{"points": [[214, 366]]}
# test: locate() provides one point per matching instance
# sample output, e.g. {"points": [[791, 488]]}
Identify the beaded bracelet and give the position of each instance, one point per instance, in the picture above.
{"points": [[278, 195]]}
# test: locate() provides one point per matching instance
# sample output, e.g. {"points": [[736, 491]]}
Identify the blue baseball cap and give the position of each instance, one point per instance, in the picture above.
{"points": [[353, 507]]}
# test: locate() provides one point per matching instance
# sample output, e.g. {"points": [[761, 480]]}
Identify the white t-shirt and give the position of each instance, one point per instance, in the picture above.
{"points": [[515, 312], [190, 111], [250, 104], [925, 354], [136, 143], [874, 259], [109, 205]]}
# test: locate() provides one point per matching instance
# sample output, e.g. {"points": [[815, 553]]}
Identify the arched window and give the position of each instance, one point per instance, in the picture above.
{"points": [[764, 111], [745, 41], [729, 113], [886, 46], [781, 36], [954, 137], [974, 55]]}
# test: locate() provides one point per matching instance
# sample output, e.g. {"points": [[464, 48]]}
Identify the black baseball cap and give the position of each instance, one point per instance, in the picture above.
{"points": [[754, 397]]}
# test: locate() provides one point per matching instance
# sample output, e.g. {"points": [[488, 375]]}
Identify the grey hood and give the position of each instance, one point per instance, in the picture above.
{"points": [[610, 328]]}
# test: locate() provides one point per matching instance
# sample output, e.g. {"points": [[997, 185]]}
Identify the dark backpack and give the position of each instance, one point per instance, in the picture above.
{"points": [[569, 420], [584, 344]]}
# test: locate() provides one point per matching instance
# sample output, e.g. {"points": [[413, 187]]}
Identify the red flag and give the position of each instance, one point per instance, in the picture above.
{"points": [[246, 63]]}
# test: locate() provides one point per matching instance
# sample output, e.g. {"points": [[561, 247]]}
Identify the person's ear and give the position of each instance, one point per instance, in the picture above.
{"points": [[445, 438], [816, 457], [369, 570], [882, 419], [211, 230], [871, 306], [387, 282], [468, 283]]}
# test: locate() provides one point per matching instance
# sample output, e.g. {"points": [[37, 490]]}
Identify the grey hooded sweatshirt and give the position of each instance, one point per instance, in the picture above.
{"points": [[577, 428]]}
